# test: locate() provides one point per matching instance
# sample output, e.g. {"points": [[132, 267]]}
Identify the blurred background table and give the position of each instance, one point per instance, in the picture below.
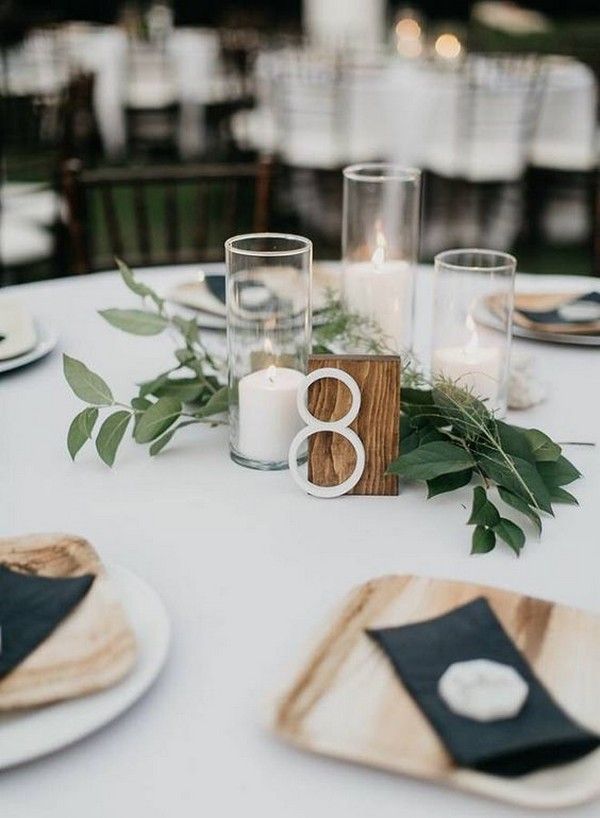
{"points": [[496, 104]]}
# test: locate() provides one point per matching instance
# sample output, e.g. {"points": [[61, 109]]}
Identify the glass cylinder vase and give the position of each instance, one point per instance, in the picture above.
{"points": [[380, 248], [472, 322], [268, 340]]}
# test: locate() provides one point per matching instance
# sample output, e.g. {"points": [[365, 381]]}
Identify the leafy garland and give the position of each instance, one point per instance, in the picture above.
{"points": [[448, 436]]}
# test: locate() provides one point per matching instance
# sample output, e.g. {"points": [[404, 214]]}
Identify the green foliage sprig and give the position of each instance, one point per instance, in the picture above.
{"points": [[449, 437], [190, 392]]}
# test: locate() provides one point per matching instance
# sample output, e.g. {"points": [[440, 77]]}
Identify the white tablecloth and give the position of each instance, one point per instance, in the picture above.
{"points": [[248, 566]]}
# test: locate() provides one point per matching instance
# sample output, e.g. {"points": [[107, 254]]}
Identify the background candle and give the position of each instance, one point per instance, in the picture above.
{"points": [[380, 292], [268, 416]]}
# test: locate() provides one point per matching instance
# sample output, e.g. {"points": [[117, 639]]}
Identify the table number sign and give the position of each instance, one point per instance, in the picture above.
{"points": [[351, 407]]}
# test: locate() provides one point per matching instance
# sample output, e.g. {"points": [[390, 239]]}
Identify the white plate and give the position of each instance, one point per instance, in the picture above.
{"points": [[30, 734], [46, 342]]}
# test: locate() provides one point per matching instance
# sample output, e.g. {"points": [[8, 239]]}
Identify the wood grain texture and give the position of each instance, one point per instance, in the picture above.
{"points": [[346, 701], [93, 648], [331, 457]]}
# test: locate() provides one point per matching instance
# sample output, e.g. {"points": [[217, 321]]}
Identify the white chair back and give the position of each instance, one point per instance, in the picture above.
{"points": [[566, 134], [354, 23]]}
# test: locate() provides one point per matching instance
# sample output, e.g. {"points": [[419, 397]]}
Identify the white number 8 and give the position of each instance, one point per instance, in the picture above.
{"points": [[314, 425]]}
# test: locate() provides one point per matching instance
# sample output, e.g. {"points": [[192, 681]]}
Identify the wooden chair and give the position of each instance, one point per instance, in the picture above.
{"points": [[161, 215]]}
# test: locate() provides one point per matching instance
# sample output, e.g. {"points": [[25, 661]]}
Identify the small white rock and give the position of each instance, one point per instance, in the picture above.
{"points": [[483, 690], [524, 389]]}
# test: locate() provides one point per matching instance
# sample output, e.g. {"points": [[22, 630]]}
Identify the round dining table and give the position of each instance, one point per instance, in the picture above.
{"points": [[249, 568]]}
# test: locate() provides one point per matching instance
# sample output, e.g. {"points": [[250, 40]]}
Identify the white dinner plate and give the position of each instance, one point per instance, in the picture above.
{"points": [[30, 734], [46, 341]]}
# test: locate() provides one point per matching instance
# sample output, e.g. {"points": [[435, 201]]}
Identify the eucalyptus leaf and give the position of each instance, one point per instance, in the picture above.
{"points": [[406, 427], [519, 477], [184, 355], [543, 447], [80, 430], [520, 505], [511, 533], [152, 387], [162, 441], [419, 406], [136, 286], [157, 419], [186, 389], [86, 384], [432, 460], [216, 405], [140, 405], [483, 511], [561, 472], [188, 327], [136, 322], [111, 434], [409, 442], [428, 435], [559, 495], [483, 540], [514, 441], [448, 482]]}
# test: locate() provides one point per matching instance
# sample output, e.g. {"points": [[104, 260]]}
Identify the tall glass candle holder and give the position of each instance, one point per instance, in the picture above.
{"points": [[380, 247], [268, 339], [472, 322]]}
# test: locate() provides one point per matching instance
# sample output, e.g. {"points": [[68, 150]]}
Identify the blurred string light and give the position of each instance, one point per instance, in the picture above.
{"points": [[409, 33], [447, 46]]}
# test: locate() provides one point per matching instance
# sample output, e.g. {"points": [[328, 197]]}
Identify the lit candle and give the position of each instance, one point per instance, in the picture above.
{"points": [[379, 290], [268, 414], [471, 366]]}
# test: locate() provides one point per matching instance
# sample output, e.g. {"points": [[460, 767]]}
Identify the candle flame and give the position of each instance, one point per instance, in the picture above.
{"points": [[380, 252], [271, 373]]}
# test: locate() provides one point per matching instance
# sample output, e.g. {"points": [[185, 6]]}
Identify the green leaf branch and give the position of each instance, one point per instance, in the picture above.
{"points": [[450, 438], [192, 391]]}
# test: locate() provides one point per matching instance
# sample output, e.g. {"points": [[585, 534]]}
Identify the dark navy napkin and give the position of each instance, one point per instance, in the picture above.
{"points": [[541, 735], [31, 607], [216, 285], [560, 316]]}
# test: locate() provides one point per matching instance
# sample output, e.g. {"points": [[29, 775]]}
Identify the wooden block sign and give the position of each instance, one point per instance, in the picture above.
{"points": [[331, 458]]}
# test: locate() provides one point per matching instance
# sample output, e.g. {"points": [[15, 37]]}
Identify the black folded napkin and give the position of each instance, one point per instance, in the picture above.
{"points": [[541, 735], [30, 609]]}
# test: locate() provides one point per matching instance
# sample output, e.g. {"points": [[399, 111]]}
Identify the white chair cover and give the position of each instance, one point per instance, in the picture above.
{"points": [[338, 24], [107, 58], [195, 57], [566, 133]]}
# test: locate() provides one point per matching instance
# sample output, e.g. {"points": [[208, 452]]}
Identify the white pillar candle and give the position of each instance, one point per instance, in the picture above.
{"points": [[268, 414], [478, 369], [381, 293]]}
